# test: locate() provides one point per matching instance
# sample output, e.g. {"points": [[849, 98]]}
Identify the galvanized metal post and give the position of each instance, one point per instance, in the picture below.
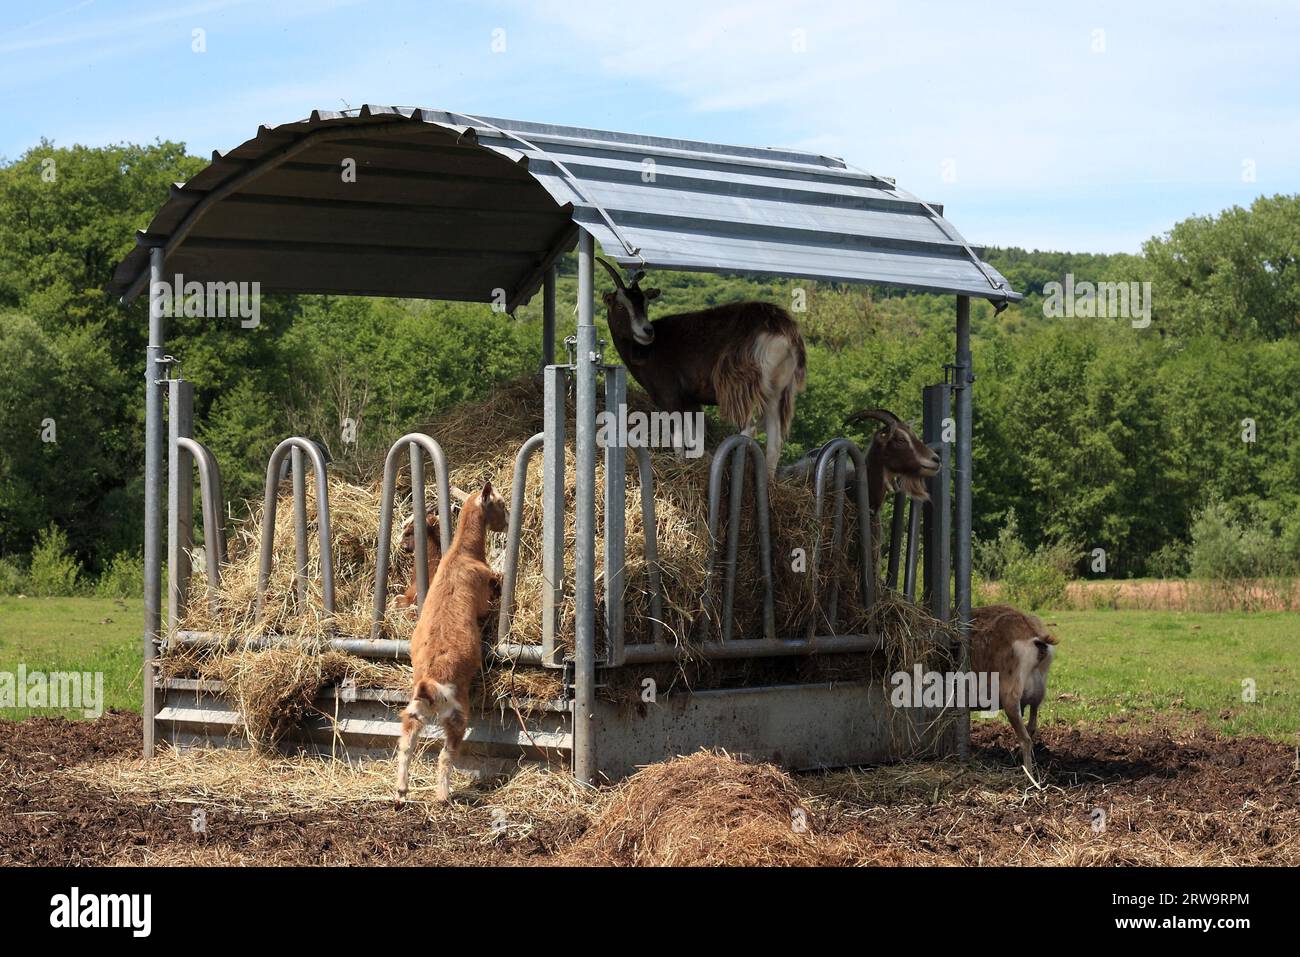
{"points": [[180, 499], [937, 529], [554, 468], [584, 665], [963, 377], [154, 439], [548, 319], [615, 515]]}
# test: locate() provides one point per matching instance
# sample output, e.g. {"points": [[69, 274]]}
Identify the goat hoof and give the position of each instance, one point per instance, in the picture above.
{"points": [[399, 800]]}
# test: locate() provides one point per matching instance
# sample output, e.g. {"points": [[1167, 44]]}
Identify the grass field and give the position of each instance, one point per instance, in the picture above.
{"points": [[1136, 665], [1143, 664], [74, 634]]}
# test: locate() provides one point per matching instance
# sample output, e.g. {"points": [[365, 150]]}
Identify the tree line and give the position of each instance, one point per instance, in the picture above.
{"points": [[1102, 433]]}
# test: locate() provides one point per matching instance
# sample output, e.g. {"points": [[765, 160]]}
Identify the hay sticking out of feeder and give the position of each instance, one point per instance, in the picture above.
{"points": [[481, 441], [275, 688], [707, 809]]}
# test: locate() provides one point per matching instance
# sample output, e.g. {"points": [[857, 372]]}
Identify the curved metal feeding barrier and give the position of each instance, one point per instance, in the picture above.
{"points": [[296, 447], [736, 448], [646, 476], [832, 456], [513, 650], [211, 495], [414, 443]]}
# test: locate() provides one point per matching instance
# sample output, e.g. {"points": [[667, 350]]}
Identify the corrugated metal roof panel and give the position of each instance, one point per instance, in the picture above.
{"points": [[450, 206]]}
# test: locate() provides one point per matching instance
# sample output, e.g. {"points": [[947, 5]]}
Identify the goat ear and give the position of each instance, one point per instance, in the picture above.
{"points": [[609, 298], [651, 294]]}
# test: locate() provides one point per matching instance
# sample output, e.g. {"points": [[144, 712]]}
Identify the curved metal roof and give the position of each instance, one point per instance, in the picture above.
{"points": [[449, 206]]}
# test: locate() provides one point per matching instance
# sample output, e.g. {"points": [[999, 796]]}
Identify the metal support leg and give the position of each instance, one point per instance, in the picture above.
{"points": [[584, 671], [937, 527], [554, 453], [913, 539], [180, 499], [615, 518], [548, 319], [962, 471], [896, 537], [964, 377], [154, 439]]}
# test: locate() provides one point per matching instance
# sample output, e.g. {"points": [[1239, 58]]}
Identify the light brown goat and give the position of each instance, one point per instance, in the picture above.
{"points": [[433, 554], [446, 654], [1019, 650]]}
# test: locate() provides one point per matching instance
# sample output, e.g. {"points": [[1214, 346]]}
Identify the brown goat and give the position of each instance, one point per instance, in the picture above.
{"points": [[896, 459], [747, 358], [446, 654], [433, 554], [1019, 650]]}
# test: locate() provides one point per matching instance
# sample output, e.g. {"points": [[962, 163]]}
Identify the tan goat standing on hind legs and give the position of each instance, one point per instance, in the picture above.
{"points": [[446, 650]]}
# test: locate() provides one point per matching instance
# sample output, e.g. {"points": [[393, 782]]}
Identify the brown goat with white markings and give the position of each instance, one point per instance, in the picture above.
{"points": [[446, 653], [747, 358], [1019, 650], [897, 459]]}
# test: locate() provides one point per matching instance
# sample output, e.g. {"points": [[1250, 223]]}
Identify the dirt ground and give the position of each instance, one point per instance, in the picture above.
{"points": [[74, 793]]}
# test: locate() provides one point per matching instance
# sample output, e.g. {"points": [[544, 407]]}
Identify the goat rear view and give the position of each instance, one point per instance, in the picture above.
{"points": [[446, 654], [1019, 649]]}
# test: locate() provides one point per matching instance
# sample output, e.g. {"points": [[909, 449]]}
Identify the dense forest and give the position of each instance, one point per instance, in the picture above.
{"points": [[1095, 432]]}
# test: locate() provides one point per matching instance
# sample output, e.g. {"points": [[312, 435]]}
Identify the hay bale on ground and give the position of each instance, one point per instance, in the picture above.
{"points": [[707, 809]]}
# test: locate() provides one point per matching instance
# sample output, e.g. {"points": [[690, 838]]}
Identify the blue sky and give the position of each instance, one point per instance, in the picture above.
{"points": [[1082, 126]]}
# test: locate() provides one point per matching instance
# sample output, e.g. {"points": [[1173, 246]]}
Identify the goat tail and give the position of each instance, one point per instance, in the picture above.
{"points": [[738, 383], [440, 697]]}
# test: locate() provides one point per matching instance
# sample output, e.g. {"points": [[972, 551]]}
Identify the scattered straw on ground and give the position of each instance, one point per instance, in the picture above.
{"points": [[73, 792]]}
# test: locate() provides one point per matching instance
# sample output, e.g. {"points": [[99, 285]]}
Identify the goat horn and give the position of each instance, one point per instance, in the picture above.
{"points": [[618, 279], [880, 415]]}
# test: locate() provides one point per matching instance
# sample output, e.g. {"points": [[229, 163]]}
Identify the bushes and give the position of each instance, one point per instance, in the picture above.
{"points": [[53, 571], [1241, 563], [123, 577], [13, 577], [1028, 578]]}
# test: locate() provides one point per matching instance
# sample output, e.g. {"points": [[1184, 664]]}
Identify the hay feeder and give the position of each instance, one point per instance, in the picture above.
{"points": [[451, 206]]}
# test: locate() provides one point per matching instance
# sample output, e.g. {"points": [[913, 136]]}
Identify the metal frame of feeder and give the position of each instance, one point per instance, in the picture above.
{"points": [[556, 177]]}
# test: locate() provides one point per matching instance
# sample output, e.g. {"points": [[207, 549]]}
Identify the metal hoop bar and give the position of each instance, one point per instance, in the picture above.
{"points": [[412, 442], [314, 453]]}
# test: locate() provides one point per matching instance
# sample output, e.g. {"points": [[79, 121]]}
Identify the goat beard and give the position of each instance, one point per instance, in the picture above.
{"points": [[912, 485]]}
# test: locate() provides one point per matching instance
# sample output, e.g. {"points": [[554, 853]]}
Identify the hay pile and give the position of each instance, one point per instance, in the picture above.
{"points": [[481, 441], [708, 809]]}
